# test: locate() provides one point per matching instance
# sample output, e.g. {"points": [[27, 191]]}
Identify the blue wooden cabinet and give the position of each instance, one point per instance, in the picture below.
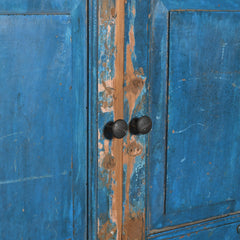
{"points": [[67, 68]]}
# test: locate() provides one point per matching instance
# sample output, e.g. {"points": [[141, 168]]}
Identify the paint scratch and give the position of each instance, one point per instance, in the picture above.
{"points": [[234, 85], [185, 129], [10, 135], [223, 50], [183, 160], [29, 179]]}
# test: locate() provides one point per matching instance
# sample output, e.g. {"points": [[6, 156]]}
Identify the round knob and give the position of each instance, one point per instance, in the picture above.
{"points": [[117, 129], [238, 229], [142, 125]]}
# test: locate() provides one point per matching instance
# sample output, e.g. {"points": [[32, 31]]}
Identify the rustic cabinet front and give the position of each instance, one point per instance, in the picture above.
{"points": [[120, 119]]}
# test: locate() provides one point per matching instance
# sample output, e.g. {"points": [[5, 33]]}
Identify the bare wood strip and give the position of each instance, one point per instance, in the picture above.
{"points": [[118, 100]]}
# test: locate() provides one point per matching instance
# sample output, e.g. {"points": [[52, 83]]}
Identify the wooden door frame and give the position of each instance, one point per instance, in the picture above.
{"points": [[92, 141]]}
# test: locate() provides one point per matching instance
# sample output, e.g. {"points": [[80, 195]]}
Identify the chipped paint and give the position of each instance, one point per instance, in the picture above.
{"points": [[106, 161], [107, 231], [132, 149], [117, 147], [122, 221], [110, 89], [134, 227], [134, 79], [134, 222]]}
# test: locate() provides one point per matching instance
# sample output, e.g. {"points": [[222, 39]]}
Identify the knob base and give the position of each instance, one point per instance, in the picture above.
{"points": [[133, 127], [107, 131]]}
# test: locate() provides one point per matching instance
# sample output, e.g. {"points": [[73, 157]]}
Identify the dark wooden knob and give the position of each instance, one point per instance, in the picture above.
{"points": [[117, 129], [142, 125]]}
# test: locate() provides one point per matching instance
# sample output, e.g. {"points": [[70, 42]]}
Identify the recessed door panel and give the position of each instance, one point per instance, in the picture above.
{"points": [[42, 114], [194, 146], [204, 114]]}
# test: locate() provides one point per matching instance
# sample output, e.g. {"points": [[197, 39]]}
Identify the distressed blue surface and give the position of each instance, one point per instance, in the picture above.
{"points": [[42, 110], [194, 74], [204, 114]]}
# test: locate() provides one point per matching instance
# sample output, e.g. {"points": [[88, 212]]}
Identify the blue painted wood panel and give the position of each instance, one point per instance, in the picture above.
{"points": [[43, 118], [203, 109], [194, 95]]}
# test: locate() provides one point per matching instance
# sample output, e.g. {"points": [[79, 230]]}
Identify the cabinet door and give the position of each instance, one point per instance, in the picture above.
{"points": [[195, 97], [178, 63], [43, 95]]}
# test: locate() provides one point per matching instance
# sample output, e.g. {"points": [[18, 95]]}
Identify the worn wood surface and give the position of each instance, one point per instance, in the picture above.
{"points": [[42, 110], [110, 88], [121, 90], [109, 188]]}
